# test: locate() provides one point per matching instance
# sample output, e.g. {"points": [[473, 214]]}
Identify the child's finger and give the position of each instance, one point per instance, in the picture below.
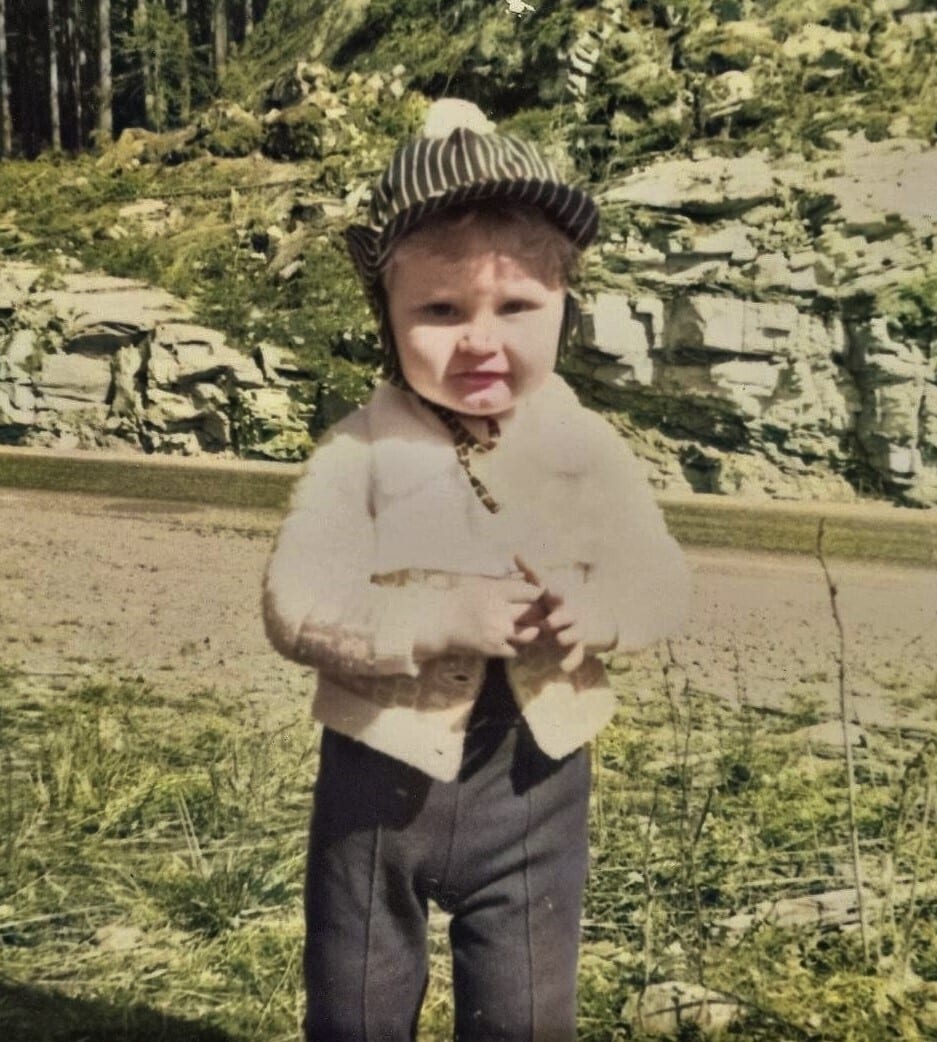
{"points": [[526, 635], [526, 614], [519, 591], [558, 619], [529, 574], [568, 636], [574, 659], [531, 615]]}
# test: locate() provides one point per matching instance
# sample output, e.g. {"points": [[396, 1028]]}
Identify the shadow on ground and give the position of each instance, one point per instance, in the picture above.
{"points": [[29, 1014]]}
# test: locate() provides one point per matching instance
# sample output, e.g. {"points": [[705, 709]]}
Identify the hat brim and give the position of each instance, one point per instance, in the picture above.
{"points": [[571, 209]]}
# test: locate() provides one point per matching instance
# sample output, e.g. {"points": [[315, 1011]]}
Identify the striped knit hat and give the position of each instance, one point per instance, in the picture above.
{"points": [[460, 160]]}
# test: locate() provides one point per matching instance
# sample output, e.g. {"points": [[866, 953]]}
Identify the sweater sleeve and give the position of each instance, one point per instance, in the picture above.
{"points": [[638, 568], [320, 606]]}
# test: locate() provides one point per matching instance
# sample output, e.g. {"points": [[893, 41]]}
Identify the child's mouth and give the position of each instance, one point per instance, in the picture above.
{"points": [[481, 379]]}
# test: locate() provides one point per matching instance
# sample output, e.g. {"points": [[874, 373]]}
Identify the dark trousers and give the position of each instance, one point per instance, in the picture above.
{"points": [[503, 849]]}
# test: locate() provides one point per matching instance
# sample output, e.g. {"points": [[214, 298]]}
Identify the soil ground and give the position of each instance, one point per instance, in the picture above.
{"points": [[104, 587]]}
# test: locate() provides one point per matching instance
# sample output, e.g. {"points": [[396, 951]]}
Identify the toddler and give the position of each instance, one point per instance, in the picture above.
{"points": [[456, 553]]}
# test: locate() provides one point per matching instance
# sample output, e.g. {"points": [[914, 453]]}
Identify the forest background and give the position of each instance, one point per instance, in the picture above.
{"points": [[71, 71]]}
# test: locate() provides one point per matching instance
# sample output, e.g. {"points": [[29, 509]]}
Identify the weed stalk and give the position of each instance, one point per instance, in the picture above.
{"points": [[191, 837], [649, 894], [918, 776], [847, 743], [688, 837], [7, 790]]}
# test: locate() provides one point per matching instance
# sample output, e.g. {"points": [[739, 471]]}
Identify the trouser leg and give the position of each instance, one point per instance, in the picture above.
{"points": [[365, 957], [504, 849], [515, 934]]}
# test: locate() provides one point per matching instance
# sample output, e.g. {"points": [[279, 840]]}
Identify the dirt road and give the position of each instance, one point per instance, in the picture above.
{"points": [[95, 586]]}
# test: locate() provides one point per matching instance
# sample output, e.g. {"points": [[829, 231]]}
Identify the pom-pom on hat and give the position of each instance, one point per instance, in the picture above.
{"points": [[460, 159]]}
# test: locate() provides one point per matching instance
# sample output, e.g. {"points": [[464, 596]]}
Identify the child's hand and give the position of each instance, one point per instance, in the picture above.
{"points": [[487, 616], [575, 618]]}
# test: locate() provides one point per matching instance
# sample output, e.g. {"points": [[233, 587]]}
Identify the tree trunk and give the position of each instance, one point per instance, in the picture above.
{"points": [[77, 63], [248, 18], [105, 83], [185, 86], [6, 128], [158, 92], [220, 36], [55, 116], [146, 64]]}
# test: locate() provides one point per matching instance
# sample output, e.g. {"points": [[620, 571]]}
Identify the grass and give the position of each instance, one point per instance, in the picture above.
{"points": [[152, 866], [139, 479], [902, 536], [906, 537], [153, 859]]}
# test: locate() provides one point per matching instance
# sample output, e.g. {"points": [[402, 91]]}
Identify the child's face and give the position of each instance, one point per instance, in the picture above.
{"points": [[476, 330]]}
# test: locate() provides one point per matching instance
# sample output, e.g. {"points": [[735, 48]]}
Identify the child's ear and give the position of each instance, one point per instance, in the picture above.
{"points": [[569, 327]]}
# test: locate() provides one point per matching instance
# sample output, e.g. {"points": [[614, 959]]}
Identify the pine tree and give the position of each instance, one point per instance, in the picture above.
{"points": [[55, 113], [105, 120], [6, 126], [76, 59], [185, 82], [142, 44], [220, 36]]}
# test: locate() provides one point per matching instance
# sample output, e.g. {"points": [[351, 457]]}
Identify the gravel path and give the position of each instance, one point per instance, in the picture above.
{"points": [[95, 586]]}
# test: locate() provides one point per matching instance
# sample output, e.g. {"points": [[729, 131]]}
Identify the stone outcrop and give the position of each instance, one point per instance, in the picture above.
{"points": [[770, 316], [756, 326], [92, 361]]}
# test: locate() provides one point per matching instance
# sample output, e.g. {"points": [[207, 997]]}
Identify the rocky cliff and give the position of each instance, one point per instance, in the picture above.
{"points": [[91, 361], [770, 318]]}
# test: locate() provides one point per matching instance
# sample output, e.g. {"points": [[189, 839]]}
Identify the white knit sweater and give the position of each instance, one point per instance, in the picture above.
{"points": [[384, 522]]}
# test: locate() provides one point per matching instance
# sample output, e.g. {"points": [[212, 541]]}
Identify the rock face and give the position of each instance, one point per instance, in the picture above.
{"points": [[773, 319], [756, 325], [101, 362]]}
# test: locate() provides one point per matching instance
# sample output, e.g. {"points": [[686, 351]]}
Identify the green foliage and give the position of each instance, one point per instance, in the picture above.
{"points": [[291, 30], [206, 257], [211, 900], [296, 135], [787, 16], [700, 810], [229, 132], [913, 307], [432, 52]]}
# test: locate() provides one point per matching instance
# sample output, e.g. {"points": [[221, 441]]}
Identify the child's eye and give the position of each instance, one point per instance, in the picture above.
{"points": [[516, 305], [439, 309]]}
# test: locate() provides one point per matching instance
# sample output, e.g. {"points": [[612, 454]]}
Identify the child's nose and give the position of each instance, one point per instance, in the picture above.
{"points": [[479, 337]]}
